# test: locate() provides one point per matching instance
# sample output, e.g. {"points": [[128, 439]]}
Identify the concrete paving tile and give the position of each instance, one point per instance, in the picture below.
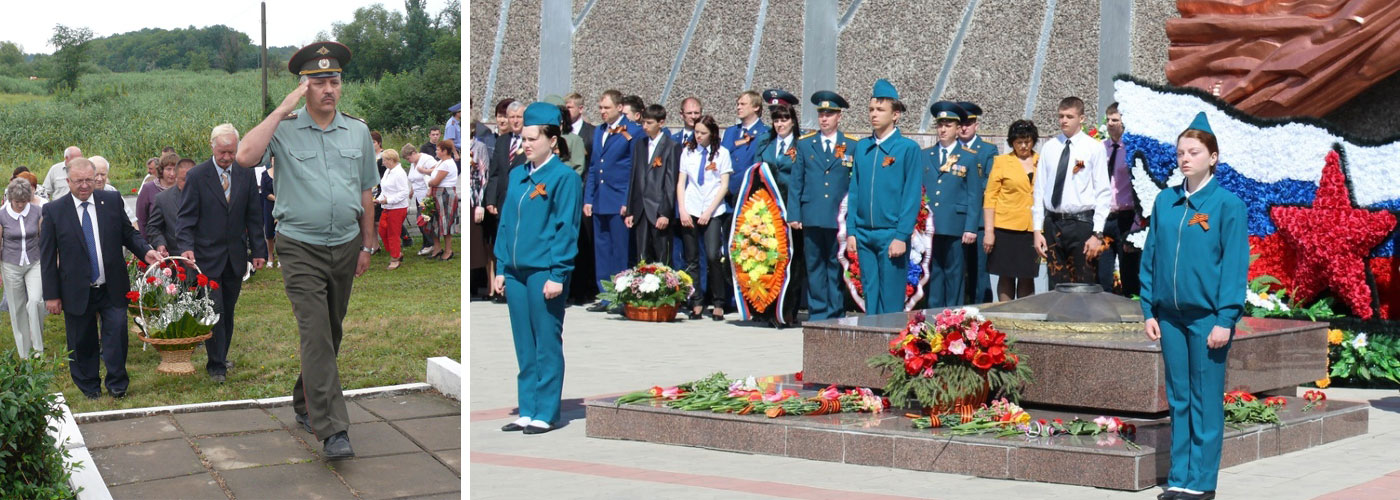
{"points": [[434, 433], [146, 461], [398, 476], [226, 421], [287, 415], [371, 440], [252, 450], [196, 487], [453, 459], [411, 406], [311, 481], [132, 430]]}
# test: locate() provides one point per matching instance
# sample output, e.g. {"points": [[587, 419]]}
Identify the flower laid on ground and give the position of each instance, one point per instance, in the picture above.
{"points": [[1243, 409], [957, 355], [1107, 430], [648, 285], [717, 393], [1001, 417], [1313, 398]]}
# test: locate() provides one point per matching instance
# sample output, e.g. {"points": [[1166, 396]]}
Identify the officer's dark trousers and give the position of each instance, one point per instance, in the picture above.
{"points": [[653, 245], [882, 278], [1115, 229], [826, 291], [976, 281], [610, 245], [582, 287], [83, 340], [318, 280], [946, 274], [225, 301], [1065, 261]]}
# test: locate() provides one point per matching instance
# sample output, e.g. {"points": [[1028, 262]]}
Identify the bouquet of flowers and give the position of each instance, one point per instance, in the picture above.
{"points": [[956, 358], [428, 207], [175, 304], [648, 285], [1243, 409], [717, 393]]}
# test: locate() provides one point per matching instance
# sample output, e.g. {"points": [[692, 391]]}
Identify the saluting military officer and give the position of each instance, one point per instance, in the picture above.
{"points": [[883, 202], [819, 183], [778, 149], [977, 282], [326, 169], [536, 249], [954, 190]]}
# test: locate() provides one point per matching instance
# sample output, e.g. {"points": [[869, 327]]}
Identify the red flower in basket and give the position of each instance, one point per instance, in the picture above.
{"points": [[141, 264], [150, 279], [213, 285], [201, 280], [133, 296], [982, 361]]}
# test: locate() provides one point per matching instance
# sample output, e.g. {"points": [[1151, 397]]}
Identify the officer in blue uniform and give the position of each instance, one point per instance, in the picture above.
{"points": [[742, 140], [819, 182], [778, 149], [977, 282], [609, 173], [954, 190], [536, 246], [1194, 275], [883, 202]]}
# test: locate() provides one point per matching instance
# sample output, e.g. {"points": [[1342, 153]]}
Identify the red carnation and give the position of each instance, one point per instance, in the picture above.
{"points": [[213, 285], [150, 279], [982, 361], [798, 376], [133, 296], [133, 190], [201, 280], [140, 264], [1011, 361]]}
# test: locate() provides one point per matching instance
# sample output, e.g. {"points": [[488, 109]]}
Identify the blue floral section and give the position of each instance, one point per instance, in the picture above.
{"points": [[1160, 156], [915, 271]]}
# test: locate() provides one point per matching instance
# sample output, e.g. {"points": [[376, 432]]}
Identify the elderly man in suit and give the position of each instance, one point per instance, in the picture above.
{"points": [[84, 274], [166, 211], [220, 214]]}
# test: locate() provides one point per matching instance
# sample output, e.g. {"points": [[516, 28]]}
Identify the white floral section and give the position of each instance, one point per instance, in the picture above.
{"points": [[1147, 192], [1270, 154], [1265, 301]]}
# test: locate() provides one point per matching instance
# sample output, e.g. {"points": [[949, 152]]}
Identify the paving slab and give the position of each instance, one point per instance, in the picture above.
{"points": [[252, 450], [136, 430], [310, 481], [434, 433], [196, 487], [398, 476], [453, 459], [287, 415], [146, 461], [411, 406], [226, 421], [378, 439]]}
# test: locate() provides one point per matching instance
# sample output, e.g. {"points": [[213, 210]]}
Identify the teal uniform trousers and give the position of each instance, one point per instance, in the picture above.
{"points": [[883, 206], [819, 182], [978, 282], [955, 202], [1194, 275]]}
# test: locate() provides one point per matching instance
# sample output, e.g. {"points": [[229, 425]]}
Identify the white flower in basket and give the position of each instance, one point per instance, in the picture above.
{"points": [[180, 308]]}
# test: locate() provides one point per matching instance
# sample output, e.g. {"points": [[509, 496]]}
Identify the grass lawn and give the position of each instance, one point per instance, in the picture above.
{"points": [[396, 321]]}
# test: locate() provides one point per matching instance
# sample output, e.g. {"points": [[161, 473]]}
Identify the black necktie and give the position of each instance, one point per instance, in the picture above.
{"points": [[1112, 160], [1060, 173]]}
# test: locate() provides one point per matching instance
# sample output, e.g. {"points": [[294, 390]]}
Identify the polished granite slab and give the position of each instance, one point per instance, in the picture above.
{"points": [[889, 440], [1108, 366]]}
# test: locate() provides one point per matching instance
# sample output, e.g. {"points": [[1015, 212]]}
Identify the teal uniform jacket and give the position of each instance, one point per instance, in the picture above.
{"points": [[1196, 258], [885, 196], [985, 154], [821, 181], [540, 231], [955, 196], [780, 164]]}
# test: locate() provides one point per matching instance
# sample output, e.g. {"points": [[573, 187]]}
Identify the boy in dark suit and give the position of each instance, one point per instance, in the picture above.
{"points": [[651, 199]]}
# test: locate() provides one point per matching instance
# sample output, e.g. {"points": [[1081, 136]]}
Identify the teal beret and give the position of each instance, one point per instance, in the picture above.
{"points": [[884, 90], [1201, 124], [542, 113]]}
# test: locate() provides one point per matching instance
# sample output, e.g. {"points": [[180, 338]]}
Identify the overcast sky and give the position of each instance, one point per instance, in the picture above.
{"points": [[289, 22]]}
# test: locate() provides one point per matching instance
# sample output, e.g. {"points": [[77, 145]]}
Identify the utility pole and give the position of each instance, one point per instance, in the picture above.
{"points": [[266, 101]]}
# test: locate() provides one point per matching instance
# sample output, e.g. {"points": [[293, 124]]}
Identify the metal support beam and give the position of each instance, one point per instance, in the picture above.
{"points": [[556, 47], [819, 34], [1115, 46], [488, 107]]}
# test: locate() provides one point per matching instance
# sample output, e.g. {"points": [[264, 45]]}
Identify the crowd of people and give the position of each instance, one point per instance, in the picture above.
{"points": [[991, 216]]}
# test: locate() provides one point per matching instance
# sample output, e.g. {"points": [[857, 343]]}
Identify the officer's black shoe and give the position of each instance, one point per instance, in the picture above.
{"points": [[305, 421], [1204, 495], [599, 307], [512, 427], [530, 429], [1168, 495], [337, 447], [92, 395]]}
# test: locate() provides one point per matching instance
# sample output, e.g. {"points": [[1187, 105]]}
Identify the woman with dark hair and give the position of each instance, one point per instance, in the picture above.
{"points": [[704, 215], [1006, 208], [443, 184], [571, 138], [1192, 304], [535, 250], [779, 151]]}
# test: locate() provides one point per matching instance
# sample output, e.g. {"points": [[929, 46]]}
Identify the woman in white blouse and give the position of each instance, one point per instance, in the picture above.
{"points": [[394, 195], [700, 190], [19, 263], [443, 183], [419, 167]]}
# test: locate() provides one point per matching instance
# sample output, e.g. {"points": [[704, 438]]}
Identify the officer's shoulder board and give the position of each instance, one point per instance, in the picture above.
{"points": [[851, 137], [290, 116], [969, 150], [808, 134], [353, 117]]}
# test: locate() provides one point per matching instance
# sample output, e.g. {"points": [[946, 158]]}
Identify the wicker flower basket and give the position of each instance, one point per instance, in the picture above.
{"points": [[974, 401], [175, 354], [661, 314]]}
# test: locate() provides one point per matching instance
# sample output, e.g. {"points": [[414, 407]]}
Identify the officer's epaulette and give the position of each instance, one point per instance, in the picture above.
{"points": [[808, 134], [851, 137], [353, 117], [290, 116], [970, 150]]}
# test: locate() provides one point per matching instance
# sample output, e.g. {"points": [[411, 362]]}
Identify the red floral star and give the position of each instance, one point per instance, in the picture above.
{"points": [[1332, 239]]}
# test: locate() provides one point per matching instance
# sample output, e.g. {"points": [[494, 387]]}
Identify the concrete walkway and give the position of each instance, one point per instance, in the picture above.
{"points": [[606, 355], [406, 446]]}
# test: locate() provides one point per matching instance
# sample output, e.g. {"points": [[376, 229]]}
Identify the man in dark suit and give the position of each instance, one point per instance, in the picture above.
{"points": [[509, 153], [582, 288], [220, 215], [605, 192], [651, 199], [80, 258], [574, 103], [160, 224]]}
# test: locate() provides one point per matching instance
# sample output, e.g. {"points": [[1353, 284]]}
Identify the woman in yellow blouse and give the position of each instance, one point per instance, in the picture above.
{"points": [[1006, 206]]}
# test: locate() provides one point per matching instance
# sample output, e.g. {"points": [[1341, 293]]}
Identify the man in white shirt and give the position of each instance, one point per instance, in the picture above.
{"points": [[103, 167], [56, 180], [1072, 198]]}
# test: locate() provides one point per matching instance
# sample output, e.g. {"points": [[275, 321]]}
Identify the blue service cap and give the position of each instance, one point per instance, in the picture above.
{"points": [[884, 90], [947, 110], [973, 111], [826, 99], [455, 107], [542, 113], [1201, 124], [777, 96]]}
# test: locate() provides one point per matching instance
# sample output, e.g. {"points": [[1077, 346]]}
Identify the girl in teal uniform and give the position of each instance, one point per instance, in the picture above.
{"points": [[1194, 271], [535, 248]]}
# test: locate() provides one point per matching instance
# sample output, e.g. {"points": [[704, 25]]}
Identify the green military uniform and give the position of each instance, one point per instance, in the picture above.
{"points": [[322, 174]]}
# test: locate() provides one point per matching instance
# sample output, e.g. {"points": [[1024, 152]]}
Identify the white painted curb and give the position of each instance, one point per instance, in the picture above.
{"points": [[86, 477], [445, 375]]}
